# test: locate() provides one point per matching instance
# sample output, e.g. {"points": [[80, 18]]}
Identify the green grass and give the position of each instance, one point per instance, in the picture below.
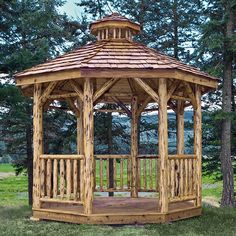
{"points": [[14, 217], [214, 221], [6, 168], [13, 191]]}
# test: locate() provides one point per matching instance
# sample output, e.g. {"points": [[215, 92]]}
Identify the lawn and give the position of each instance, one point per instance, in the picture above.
{"points": [[14, 217], [6, 168]]}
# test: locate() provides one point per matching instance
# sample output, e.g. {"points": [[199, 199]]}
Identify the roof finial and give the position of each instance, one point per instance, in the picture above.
{"points": [[114, 26]]}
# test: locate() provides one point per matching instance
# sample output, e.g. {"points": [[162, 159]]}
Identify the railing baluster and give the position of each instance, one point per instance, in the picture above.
{"points": [[172, 178], [42, 178], [139, 174], [150, 174], [128, 172], [75, 179], [101, 173], [55, 178], [181, 179], [107, 170], [121, 174], [68, 178], [194, 177], [158, 175], [49, 178], [144, 175], [114, 174], [186, 177], [190, 177], [62, 178]]}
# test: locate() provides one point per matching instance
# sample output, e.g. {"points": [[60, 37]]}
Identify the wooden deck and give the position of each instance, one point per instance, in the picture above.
{"points": [[117, 210]]}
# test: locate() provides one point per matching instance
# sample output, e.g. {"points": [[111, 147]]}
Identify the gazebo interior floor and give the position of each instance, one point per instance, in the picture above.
{"points": [[117, 210], [120, 205]]}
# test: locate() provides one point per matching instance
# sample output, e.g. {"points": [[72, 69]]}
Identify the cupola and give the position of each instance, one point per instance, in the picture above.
{"points": [[115, 27]]}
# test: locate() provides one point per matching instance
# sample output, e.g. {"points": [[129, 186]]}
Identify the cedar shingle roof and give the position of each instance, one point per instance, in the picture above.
{"points": [[113, 17], [116, 19], [116, 54]]}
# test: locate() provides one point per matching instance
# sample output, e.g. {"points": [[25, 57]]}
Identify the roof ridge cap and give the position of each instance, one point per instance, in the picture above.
{"points": [[86, 60]]}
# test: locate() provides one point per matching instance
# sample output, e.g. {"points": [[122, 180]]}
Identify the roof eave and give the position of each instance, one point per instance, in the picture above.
{"points": [[206, 81]]}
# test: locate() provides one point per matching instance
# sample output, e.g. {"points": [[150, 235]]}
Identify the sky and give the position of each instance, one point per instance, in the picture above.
{"points": [[71, 9]]}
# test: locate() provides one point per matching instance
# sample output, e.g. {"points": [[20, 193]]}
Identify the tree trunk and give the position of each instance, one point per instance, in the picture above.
{"points": [[233, 96], [225, 155], [29, 163], [176, 33], [111, 168]]}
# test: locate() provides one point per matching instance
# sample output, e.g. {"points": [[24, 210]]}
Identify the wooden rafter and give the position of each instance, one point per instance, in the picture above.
{"points": [[131, 85], [144, 104], [77, 89], [182, 98], [190, 94], [172, 106], [172, 88], [47, 92], [73, 107], [147, 89], [47, 104], [65, 95], [110, 110], [123, 106], [104, 88]]}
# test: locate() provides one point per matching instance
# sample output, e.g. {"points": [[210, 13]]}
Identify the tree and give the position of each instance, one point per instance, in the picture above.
{"points": [[31, 32], [169, 26], [225, 155], [217, 51]]}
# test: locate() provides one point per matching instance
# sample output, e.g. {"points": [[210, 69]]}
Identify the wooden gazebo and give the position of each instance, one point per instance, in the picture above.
{"points": [[115, 69]]}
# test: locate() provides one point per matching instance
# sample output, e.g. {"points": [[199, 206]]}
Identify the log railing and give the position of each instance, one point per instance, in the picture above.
{"points": [[182, 177], [148, 173], [60, 178], [121, 173]]}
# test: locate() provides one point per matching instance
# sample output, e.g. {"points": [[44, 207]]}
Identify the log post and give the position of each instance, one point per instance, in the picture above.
{"points": [[134, 146], [88, 145], [198, 144], [163, 145], [180, 147], [80, 146], [180, 127], [37, 143]]}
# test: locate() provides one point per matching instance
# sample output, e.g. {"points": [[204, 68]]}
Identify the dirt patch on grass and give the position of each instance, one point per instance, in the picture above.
{"points": [[4, 175], [211, 201]]}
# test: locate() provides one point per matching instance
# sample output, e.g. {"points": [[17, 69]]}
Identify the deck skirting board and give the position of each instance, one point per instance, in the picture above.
{"points": [[148, 218]]}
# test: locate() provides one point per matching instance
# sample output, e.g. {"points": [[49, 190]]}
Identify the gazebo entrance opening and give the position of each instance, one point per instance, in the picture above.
{"points": [[115, 69]]}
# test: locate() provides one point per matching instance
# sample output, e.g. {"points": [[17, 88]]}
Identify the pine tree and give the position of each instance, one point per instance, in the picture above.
{"points": [[217, 53], [30, 33]]}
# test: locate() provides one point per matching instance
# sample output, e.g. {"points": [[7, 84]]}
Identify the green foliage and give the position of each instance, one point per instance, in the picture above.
{"points": [[30, 33], [165, 25]]}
